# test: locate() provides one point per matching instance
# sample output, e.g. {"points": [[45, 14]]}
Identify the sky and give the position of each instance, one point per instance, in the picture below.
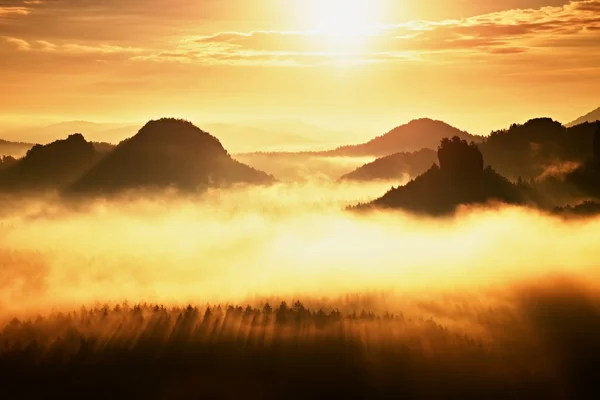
{"points": [[361, 65]]}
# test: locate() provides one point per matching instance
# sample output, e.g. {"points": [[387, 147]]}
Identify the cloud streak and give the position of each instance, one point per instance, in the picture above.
{"points": [[574, 26]]}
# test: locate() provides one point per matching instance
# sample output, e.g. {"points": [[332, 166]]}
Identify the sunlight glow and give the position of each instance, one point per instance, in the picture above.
{"points": [[344, 22]]}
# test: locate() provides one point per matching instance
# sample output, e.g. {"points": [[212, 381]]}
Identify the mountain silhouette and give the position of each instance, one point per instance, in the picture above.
{"points": [[394, 166], [586, 178], [528, 150], [459, 179], [14, 149], [589, 117], [50, 166], [168, 153], [416, 135]]}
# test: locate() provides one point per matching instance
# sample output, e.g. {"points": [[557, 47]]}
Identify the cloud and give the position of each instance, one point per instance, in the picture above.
{"points": [[46, 46], [20, 44], [98, 49], [509, 33], [70, 48], [506, 34], [13, 10]]}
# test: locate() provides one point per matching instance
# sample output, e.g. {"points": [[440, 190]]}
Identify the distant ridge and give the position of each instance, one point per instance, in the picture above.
{"points": [[415, 135], [14, 149], [394, 166], [168, 153], [589, 117]]}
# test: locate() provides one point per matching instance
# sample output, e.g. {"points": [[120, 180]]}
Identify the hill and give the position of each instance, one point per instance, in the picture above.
{"points": [[14, 149], [416, 135], [168, 153], [394, 166], [50, 166], [589, 117], [586, 178], [460, 179], [537, 147]]}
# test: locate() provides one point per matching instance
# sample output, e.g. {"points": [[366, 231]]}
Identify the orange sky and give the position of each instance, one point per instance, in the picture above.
{"points": [[352, 64]]}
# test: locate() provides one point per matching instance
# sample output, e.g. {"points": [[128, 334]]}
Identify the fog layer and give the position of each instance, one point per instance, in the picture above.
{"points": [[284, 240]]}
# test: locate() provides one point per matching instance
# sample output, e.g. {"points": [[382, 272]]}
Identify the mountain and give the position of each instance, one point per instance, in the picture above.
{"points": [[589, 117], [394, 166], [416, 135], [50, 166], [461, 179], [586, 178], [14, 149], [528, 150], [168, 153]]}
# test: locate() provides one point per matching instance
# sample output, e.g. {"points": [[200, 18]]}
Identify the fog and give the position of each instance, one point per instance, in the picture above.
{"points": [[304, 167], [284, 241]]}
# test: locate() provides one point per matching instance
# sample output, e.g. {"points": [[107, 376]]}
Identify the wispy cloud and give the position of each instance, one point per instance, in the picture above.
{"points": [[574, 26], [19, 44]]}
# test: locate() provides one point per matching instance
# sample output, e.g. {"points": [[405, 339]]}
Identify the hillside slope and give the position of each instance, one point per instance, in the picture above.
{"points": [[168, 153], [416, 135], [394, 166], [51, 166]]}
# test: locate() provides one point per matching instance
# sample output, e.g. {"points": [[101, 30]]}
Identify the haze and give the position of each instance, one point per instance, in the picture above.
{"points": [[282, 241]]}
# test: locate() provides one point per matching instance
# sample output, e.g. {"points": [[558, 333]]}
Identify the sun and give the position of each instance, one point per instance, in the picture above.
{"points": [[344, 21]]}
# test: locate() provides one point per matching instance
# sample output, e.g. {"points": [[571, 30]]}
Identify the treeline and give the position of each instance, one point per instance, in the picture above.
{"points": [[292, 352], [545, 348]]}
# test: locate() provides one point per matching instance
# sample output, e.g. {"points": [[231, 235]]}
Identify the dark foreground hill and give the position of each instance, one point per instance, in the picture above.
{"points": [[461, 179], [586, 178], [394, 166], [416, 135], [50, 166], [168, 153], [537, 147]]}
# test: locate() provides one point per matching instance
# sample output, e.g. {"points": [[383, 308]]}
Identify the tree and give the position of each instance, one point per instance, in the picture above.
{"points": [[459, 159]]}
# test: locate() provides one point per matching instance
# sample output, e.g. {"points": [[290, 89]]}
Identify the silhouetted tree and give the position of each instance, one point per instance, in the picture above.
{"points": [[459, 159], [282, 312], [7, 161], [267, 309]]}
